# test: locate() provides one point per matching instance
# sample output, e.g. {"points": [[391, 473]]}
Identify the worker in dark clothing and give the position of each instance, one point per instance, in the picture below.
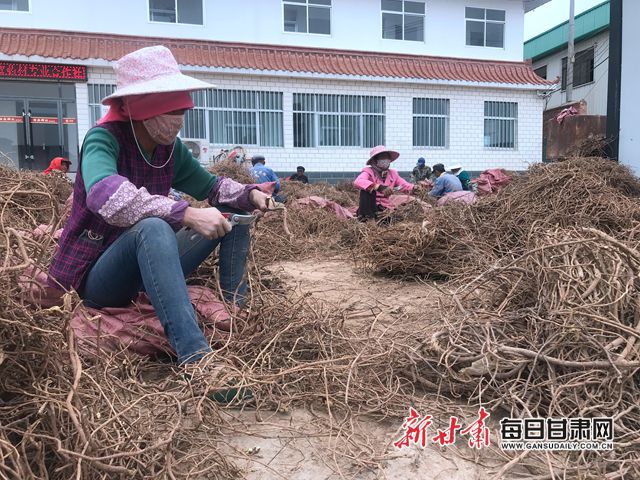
{"points": [[299, 176], [421, 171]]}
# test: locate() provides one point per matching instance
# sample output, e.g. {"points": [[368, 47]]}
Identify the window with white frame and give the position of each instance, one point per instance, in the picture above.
{"points": [[97, 91], [15, 5], [431, 122], [485, 27], [338, 120], [245, 117], [307, 16], [500, 124], [189, 12], [403, 20]]}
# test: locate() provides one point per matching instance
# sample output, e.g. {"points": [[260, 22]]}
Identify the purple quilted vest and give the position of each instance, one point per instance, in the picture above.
{"points": [[86, 235]]}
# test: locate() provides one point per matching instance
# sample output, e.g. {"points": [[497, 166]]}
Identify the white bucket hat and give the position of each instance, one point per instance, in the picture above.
{"points": [[454, 167], [151, 70]]}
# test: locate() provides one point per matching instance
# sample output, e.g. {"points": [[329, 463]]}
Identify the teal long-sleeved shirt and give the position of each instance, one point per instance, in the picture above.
{"points": [[100, 152]]}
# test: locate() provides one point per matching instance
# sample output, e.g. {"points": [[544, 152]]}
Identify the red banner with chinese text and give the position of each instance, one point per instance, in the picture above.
{"points": [[11, 119], [43, 71]]}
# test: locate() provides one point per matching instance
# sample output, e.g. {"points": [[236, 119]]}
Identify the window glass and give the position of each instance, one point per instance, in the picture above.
{"points": [[407, 24], [414, 7], [475, 33], [373, 104], [97, 92], [477, 13], [15, 5], [162, 10], [313, 16], [500, 124], [430, 122], [373, 130], [541, 72], [414, 27], [190, 12], [495, 35], [337, 120], [484, 28], [495, 15], [320, 20], [238, 117], [582, 68], [295, 18], [392, 26], [392, 5]]}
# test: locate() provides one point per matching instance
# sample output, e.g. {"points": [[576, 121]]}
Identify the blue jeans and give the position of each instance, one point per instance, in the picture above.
{"points": [[150, 256]]}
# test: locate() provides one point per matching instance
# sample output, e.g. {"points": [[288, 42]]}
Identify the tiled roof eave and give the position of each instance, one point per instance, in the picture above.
{"points": [[101, 50], [97, 62], [371, 78]]}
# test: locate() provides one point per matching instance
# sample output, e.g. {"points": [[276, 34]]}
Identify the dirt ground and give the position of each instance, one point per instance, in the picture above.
{"points": [[284, 445]]}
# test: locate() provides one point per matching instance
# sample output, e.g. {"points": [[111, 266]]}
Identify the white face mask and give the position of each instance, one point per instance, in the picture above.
{"points": [[164, 128], [383, 164]]}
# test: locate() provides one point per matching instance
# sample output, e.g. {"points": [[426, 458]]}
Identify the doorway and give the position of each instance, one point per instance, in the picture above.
{"points": [[35, 129]]}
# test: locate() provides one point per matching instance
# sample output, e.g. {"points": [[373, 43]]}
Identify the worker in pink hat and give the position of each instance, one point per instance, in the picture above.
{"points": [[125, 235], [377, 182]]}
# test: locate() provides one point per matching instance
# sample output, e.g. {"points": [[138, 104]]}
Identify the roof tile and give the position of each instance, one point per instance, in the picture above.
{"points": [[85, 46]]}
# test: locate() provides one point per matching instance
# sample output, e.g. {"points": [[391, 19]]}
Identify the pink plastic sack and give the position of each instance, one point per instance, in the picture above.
{"points": [[321, 202], [491, 181], [463, 197], [397, 200], [135, 328]]}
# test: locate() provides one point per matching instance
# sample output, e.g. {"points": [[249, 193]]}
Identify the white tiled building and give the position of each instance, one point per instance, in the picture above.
{"points": [[440, 79]]}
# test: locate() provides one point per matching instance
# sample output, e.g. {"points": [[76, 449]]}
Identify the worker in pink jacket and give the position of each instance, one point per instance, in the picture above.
{"points": [[377, 182]]}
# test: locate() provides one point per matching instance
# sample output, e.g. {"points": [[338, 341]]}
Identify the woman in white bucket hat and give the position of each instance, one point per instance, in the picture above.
{"points": [[121, 236], [463, 176]]}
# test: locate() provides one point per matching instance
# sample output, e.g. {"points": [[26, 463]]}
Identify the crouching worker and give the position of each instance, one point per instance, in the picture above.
{"points": [[463, 176], [121, 236], [377, 182], [59, 164], [445, 182]]}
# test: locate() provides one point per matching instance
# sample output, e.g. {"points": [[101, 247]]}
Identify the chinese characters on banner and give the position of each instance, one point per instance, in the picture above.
{"points": [[43, 71], [11, 119], [415, 431], [38, 120]]}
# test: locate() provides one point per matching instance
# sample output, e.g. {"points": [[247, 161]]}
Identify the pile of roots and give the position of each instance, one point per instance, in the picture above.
{"points": [[232, 169], [63, 415], [459, 240], [542, 316], [344, 194]]}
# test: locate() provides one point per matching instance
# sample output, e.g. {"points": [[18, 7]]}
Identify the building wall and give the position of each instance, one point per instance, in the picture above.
{"points": [[594, 93], [466, 131], [629, 148], [355, 24]]}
